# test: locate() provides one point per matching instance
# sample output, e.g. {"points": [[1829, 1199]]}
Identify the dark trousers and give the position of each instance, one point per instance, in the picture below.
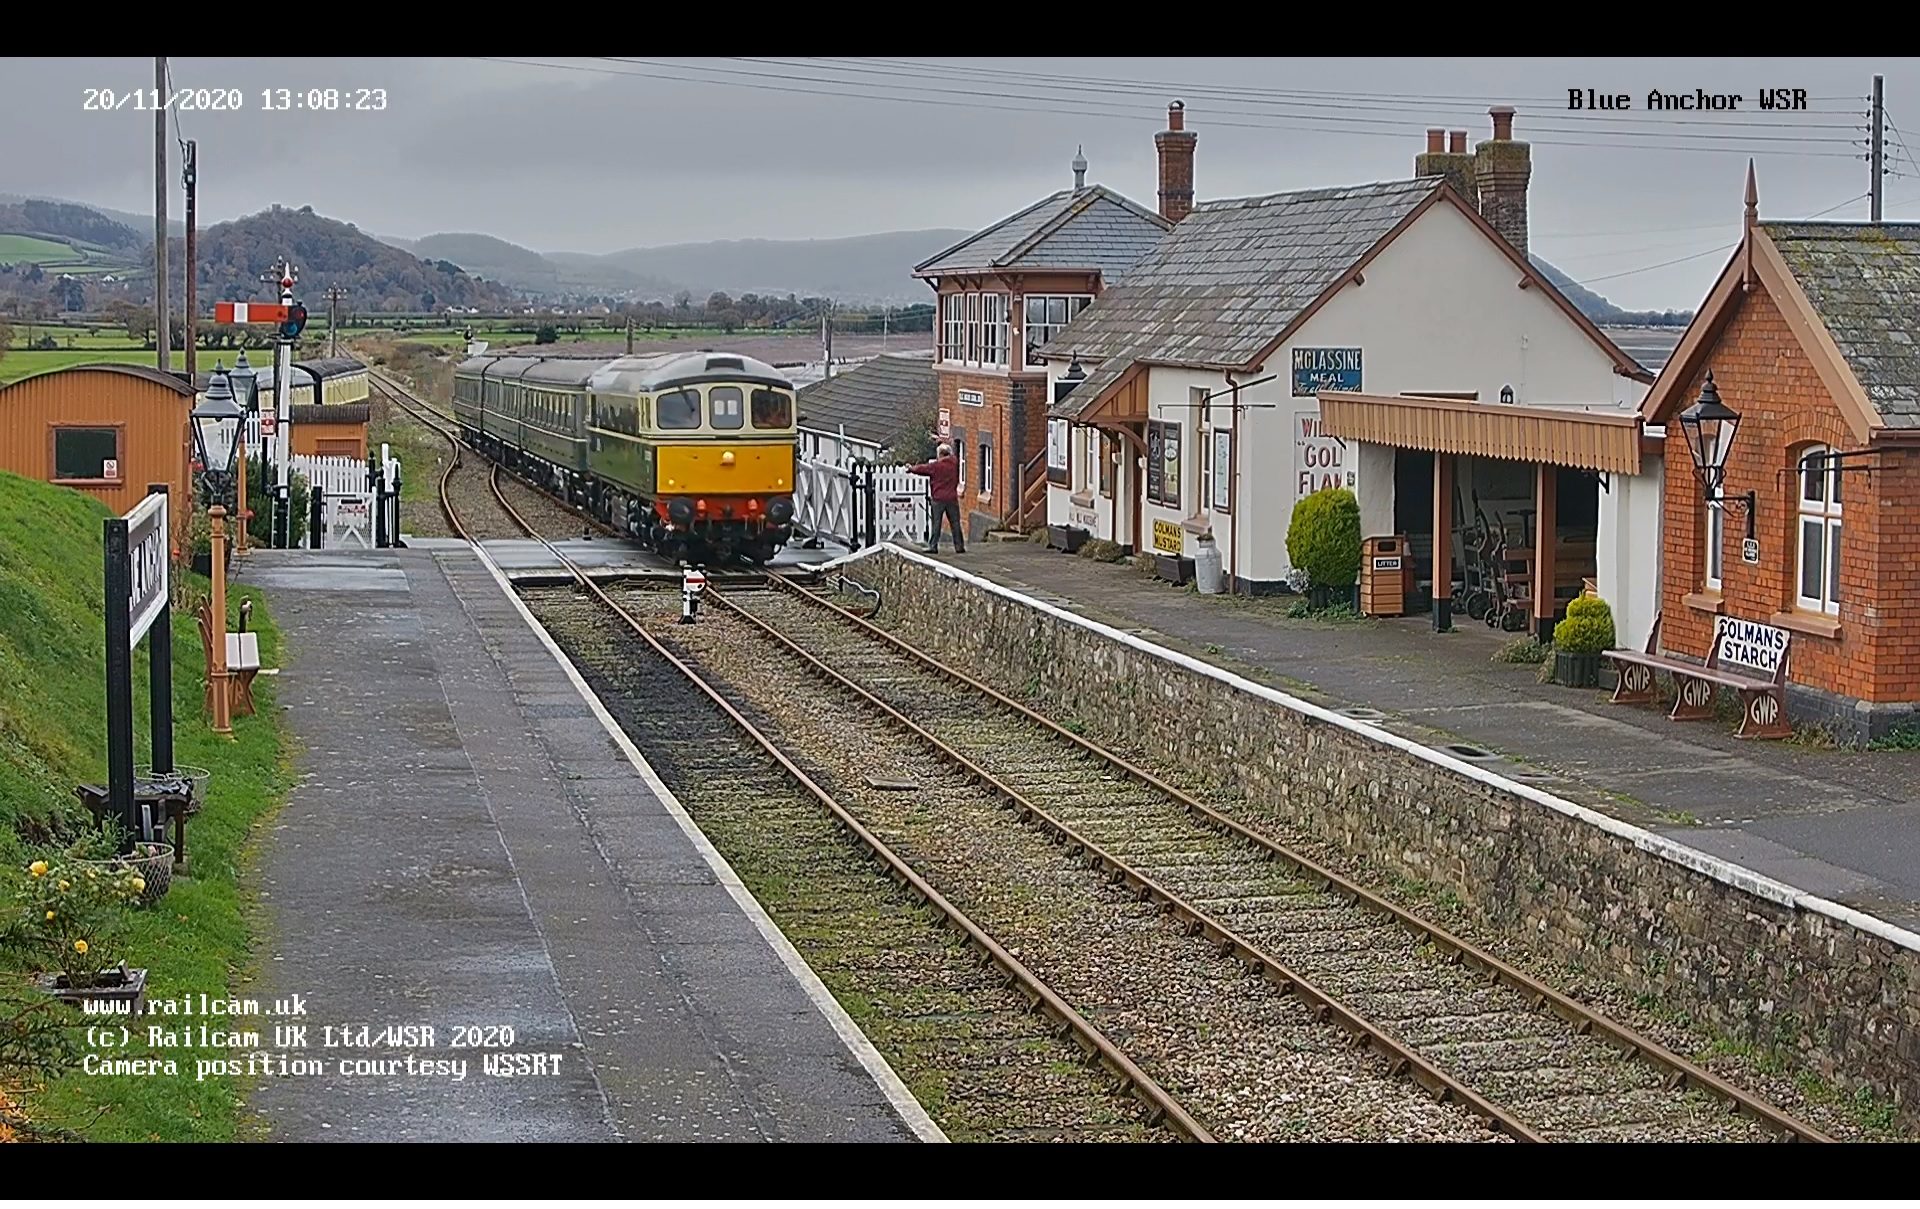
{"points": [[949, 512]]}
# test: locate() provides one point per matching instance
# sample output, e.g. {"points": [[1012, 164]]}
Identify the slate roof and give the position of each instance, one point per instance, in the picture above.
{"points": [[1091, 228], [1864, 282], [1229, 278], [874, 399]]}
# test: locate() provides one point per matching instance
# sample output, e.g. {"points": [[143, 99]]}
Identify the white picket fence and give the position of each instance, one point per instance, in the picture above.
{"points": [[830, 503], [347, 496]]}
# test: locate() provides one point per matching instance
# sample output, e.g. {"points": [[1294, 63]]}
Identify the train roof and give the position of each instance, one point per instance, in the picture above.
{"points": [[628, 375], [560, 371], [331, 367]]}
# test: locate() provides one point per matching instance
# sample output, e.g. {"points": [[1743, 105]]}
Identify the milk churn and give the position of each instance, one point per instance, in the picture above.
{"points": [[1206, 566]]}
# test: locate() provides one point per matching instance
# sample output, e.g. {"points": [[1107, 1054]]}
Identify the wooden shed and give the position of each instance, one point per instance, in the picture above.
{"points": [[331, 429], [107, 430]]}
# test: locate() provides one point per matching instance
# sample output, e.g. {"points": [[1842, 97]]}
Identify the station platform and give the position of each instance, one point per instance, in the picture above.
{"points": [[468, 846], [524, 559]]}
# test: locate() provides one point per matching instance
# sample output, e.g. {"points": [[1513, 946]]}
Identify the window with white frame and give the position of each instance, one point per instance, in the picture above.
{"points": [[1047, 315], [993, 329], [974, 339], [1716, 526], [953, 328], [1202, 412], [1817, 581], [986, 465]]}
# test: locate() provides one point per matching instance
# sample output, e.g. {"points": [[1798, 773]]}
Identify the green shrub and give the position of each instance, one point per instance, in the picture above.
{"points": [[1523, 650], [1324, 538], [1588, 628], [1100, 550]]}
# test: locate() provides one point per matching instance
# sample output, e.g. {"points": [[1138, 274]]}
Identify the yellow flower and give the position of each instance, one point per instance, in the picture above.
{"points": [[49, 915], [38, 868], [79, 946], [139, 885], [65, 884]]}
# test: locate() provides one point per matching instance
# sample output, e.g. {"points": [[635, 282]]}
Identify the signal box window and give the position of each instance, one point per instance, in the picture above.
{"points": [[772, 409], [85, 455], [678, 409], [724, 407]]}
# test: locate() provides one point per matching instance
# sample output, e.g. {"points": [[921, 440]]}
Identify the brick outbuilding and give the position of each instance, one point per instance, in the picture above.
{"points": [[1812, 335]]}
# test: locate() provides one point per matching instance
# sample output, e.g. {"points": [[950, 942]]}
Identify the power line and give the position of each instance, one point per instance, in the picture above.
{"points": [[1710, 251], [1374, 102], [1127, 115]]}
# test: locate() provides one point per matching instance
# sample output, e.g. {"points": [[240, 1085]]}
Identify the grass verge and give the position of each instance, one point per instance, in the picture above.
{"points": [[53, 736]]}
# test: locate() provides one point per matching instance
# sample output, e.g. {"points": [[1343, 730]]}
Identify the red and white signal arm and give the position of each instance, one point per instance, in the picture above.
{"points": [[249, 312]]}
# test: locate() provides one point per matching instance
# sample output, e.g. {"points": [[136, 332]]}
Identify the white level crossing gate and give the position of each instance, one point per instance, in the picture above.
{"points": [[359, 501], [860, 504]]}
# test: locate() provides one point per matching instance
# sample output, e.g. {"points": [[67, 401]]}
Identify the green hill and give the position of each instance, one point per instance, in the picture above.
{"points": [[53, 736]]}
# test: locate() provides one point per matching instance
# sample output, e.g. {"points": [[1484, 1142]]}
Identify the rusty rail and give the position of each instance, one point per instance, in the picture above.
{"points": [[1161, 1103], [1679, 1071], [415, 408], [1404, 1061]]}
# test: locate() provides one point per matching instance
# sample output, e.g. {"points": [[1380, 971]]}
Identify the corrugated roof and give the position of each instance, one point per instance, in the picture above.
{"points": [[1091, 228], [873, 400], [1230, 278], [173, 381], [1863, 280]]}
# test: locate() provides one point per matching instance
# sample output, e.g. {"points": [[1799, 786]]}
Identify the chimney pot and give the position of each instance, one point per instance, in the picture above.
{"points": [[1502, 169], [1079, 168], [1502, 122], [1436, 141], [1176, 115], [1457, 143]]}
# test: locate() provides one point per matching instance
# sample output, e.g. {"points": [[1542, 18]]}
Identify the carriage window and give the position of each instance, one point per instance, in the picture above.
{"points": [[723, 407], [678, 409], [772, 409]]}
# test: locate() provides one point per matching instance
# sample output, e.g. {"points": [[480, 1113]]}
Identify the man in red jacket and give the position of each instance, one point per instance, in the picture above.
{"points": [[943, 488]]}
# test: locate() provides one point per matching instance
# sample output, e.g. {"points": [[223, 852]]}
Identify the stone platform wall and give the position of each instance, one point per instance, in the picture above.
{"points": [[1762, 962]]}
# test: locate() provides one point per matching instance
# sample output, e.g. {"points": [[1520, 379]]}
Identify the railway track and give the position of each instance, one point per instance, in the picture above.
{"points": [[1533, 1063], [1010, 1040]]}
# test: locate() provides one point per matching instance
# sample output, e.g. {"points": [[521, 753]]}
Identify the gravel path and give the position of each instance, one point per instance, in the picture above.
{"points": [[1251, 1062], [985, 1066]]}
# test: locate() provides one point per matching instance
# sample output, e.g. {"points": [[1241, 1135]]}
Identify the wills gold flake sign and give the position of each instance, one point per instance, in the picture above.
{"points": [[1166, 537]]}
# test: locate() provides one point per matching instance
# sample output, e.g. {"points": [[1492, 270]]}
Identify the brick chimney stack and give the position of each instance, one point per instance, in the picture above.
{"points": [[1447, 156], [1175, 145], [1502, 169]]}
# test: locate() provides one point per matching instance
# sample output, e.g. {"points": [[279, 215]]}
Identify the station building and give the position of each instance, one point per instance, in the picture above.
{"points": [[866, 409], [106, 430], [1006, 290], [1812, 336], [1391, 338]]}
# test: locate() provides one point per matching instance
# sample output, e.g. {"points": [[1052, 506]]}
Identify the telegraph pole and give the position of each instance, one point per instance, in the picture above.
{"points": [[163, 340], [826, 334], [1876, 187], [191, 171], [629, 335], [334, 295]]}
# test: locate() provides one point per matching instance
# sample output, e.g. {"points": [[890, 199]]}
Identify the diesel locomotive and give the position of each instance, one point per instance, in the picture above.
{"points": [[691, 454]]}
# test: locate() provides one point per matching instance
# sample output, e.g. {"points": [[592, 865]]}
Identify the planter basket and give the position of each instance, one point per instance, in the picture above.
{"points": [[1577, 670], [119, 985], [154, 864]]}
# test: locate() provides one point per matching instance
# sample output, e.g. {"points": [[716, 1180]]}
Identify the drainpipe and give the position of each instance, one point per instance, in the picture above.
{"points": [[1233, 489]]}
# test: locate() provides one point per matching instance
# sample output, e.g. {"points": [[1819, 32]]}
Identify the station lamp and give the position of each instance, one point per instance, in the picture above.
{"points": [[216, 433], [1506, 396], [245, 391], [1074, 371], [1709, 426]]}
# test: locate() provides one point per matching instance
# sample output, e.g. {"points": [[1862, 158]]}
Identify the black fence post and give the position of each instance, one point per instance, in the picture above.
{"points": [[316, 525], [380, 541], [396, 506], [160, 666]]}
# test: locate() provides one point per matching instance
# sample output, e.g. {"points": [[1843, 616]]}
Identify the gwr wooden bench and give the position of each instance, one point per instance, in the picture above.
{"points": [[243, 661], [1736, 644]]}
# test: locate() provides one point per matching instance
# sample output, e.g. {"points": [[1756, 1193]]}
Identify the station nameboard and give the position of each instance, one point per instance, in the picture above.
{"points": [[147, 564]]}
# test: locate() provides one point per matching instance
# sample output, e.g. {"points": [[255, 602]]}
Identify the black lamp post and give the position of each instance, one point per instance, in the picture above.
{"points": [[1709, 426], [1074, 371]]}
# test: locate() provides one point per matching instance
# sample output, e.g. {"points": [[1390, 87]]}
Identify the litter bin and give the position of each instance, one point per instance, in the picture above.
{"points": [[1383, 576]]}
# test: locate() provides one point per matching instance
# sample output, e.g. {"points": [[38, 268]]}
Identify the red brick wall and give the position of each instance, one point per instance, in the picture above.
{"points": [[990, 418], [1764, 375]]}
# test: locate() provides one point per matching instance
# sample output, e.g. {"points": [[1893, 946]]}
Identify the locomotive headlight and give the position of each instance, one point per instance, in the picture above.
{"points": [[680, 511], [780, 509]]}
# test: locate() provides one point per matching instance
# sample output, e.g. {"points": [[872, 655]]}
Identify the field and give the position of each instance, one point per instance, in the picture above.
{"points": [[78, 257], [18, 364]]}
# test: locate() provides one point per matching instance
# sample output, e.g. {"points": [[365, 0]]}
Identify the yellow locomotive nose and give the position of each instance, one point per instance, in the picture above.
{"points": [[726, 458]]}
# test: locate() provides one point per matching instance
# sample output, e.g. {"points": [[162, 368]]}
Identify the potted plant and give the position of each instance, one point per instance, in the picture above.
{"points": [[1579, 640], [72, 918], [1323, 539]]}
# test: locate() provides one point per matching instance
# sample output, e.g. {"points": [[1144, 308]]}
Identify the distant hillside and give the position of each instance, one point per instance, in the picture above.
{"points": [[864, 268], [1598, 309], [376, 276], [140, 224], [506, 262]]}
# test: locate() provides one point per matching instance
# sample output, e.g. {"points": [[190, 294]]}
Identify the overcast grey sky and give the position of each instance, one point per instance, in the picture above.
{"points": [[598, 154]]}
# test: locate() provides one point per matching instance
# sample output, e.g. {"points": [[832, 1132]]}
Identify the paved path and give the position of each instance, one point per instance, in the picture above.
{"points": [[467, 846], [1844, 825]]}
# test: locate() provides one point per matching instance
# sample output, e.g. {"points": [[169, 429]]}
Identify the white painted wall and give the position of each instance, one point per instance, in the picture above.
{"points": [[1628, 551]]}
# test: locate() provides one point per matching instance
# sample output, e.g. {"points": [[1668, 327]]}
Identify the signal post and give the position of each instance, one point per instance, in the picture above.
{"points": [[291, 318]]}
